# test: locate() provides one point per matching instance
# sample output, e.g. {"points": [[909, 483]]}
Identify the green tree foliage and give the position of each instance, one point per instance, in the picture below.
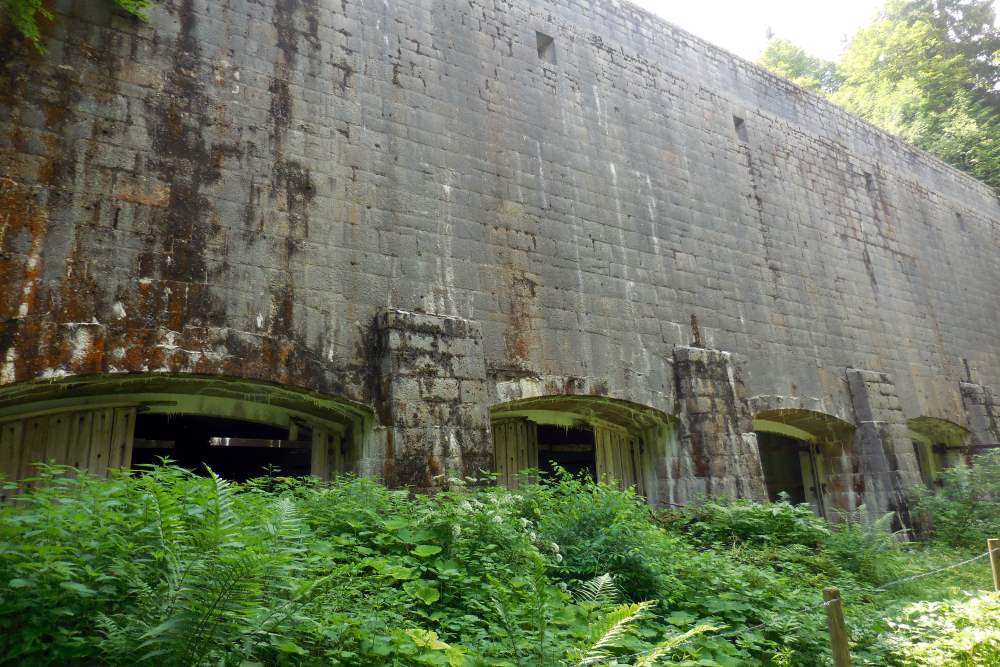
{"points": [[925, 70], [790, 61], [24, 15]]}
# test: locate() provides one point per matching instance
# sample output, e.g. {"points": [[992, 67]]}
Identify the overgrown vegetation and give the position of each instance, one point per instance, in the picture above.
{"points": [[24, 15], [926, 70], [171, 568], [965, 511]]}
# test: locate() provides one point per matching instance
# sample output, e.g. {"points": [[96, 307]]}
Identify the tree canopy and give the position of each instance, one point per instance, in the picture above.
{"points": [[925, 70], [792, 62]]}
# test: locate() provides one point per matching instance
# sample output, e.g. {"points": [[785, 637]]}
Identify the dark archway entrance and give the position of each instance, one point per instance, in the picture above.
{"points": [[233, 449], [610, 439], [938, 444], [570, 448], [781, 459], [801, 454], [238, 427]]}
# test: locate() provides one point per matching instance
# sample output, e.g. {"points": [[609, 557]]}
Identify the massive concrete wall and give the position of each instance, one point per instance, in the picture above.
{"points": [[241, 187]]}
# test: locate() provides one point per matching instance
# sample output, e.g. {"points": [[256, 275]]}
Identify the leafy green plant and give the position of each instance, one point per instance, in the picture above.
{"points": [[165, 566], [965, 510], [24, 15], [954, 633], [780, 523], [864, 546]]}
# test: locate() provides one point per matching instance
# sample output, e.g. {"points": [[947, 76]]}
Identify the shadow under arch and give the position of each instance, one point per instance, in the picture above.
{"points": [[608, 437], [102, 421], [802, 455], [802, 424], [938, 444]]}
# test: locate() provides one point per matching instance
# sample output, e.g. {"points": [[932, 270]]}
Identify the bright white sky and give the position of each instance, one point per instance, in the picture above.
{"points": [[740, 26]]}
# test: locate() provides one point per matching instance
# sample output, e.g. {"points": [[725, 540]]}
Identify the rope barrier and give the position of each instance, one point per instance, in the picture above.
{"points": [[827, 603], [889, 585]]}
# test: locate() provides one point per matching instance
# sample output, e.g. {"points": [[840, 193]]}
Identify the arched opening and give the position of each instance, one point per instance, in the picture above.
{"points": [[239, 428], [798, 449], [607, 439], [937, 444]]}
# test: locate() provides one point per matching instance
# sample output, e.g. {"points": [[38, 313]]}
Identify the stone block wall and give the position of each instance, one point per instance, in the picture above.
{"points": [[431, 398], [983, 412], [716, 452], [241, 188], [882, 449]]}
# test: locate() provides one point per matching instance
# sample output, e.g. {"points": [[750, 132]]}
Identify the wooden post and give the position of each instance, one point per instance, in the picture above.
{"points": [[993, 545], [838, 629]]}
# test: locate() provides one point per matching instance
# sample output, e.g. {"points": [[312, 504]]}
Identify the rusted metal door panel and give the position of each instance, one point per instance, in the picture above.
{"points": [[78, 447], [100, 441], [36, 434], [813, 473], [635, 464]]}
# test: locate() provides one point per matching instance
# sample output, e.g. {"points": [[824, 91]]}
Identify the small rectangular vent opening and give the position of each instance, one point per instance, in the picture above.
{"points": [[870, 183], [741, 129], [546, 47]]}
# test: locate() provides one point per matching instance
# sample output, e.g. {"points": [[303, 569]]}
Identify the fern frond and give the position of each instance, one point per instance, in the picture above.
{"points": [[610, 628], [169, 524], [286, 523], [220, 597], [116, 639], [668, 645], [226, 523], [599, 591]]}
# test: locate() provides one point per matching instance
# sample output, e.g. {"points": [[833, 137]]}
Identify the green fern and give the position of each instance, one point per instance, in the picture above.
{"points": [[599, 591], [217, 600], [609, 629], [665, 647]]}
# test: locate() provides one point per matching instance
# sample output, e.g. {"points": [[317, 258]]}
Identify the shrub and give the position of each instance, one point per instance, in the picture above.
{"points": [[965, 511], [865, 547], [176, 569], [779, 523], [959, 633]]}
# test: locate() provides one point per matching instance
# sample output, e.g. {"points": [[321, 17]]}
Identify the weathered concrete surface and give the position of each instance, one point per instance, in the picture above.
{"points": [[240, 187], [718, 453], [432, 398], [882, 448], [983, 412]]}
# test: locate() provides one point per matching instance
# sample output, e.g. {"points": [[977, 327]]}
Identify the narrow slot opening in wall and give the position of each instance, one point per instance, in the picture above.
{"points": [[870, 182], [546, 47], [741, 129]]}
